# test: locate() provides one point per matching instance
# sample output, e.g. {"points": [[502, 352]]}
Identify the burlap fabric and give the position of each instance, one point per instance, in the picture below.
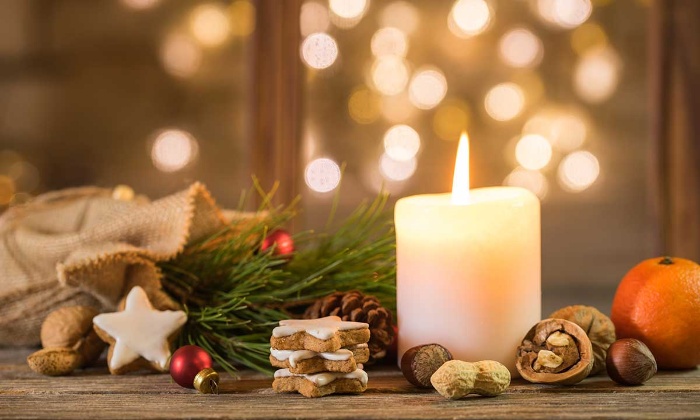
{"points": [[82, 247]]}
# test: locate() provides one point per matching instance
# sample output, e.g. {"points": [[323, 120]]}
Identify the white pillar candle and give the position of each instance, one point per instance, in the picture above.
{"points": [[468, 269]]}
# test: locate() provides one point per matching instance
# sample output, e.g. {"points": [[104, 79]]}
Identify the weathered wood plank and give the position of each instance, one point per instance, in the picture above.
{"points": [[96, 394]]}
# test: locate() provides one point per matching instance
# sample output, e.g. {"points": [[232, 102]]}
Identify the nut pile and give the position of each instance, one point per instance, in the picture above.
{"points": [[431, 365], [69, 342], [579, 341]]}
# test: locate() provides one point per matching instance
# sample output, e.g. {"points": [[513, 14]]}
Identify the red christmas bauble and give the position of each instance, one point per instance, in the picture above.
{"points": [[186, 363], [283, 241]]}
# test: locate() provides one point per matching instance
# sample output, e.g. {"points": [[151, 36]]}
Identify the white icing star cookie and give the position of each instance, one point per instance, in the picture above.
{"points": [[139, 336], [321, 328]]}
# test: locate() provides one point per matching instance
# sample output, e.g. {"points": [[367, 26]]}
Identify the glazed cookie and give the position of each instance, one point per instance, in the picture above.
{"points": [[320, 384], [321, 335], [307, 361], [139, 337]]}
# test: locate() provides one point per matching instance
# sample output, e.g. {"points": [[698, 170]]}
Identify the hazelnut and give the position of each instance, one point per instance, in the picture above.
{"points": [[630, 362], [419, 363]]}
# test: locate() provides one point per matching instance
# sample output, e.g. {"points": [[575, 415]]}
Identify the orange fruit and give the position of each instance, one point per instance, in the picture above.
{"points": [[658, 302]]}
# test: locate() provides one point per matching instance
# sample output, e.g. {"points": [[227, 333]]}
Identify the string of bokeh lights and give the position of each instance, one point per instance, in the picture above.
{"points": [[553, 139], [552, 135], [395, 91]]}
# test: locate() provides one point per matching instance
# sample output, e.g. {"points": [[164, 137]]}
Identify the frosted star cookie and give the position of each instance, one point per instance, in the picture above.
{"points": [[307, 361], [320, 384], [139, 337], [321, 335]]}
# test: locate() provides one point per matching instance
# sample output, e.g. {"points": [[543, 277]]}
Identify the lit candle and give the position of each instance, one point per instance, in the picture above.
{"points": [[468, 268]]}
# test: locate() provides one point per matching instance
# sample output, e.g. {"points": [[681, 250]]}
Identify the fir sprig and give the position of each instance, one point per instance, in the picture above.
{"points": [[234, 293]]}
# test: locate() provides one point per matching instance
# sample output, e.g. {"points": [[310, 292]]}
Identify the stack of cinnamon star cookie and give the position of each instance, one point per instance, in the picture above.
{"points": [[320, 356]]}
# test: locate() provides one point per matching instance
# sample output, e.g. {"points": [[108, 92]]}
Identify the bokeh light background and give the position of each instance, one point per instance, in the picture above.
{"points": [[552, 93], [156, 94]]}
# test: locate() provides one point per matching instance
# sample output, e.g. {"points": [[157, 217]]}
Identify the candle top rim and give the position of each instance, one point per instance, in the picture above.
{"points": [[476, 196]]}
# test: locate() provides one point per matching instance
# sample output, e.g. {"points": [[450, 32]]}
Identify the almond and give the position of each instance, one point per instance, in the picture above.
{"points": [[54, 361]]}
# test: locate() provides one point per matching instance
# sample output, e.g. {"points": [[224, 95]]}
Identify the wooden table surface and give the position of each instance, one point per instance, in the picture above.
{"points": [[95, 394]]}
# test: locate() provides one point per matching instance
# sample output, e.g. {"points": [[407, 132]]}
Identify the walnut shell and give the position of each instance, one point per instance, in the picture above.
{"points": [[555, 351], [71, 327], [599, 328]]}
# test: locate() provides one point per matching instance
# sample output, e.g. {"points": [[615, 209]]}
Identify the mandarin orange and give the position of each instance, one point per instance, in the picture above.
{"points": [[658, 302]]}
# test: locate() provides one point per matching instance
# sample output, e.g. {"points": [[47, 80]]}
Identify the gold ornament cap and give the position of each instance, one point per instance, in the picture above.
{"points": [[207, 381]]}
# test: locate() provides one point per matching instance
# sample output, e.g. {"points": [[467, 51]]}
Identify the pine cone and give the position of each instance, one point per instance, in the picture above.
{"points": [[354, 306]]}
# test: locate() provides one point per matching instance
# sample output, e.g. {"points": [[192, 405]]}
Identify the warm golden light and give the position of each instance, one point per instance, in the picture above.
{"points": [[531, 180], [210, 25], [397, 108], [587, 36], [570, 132], [450, 119], [390, 75], [460, 181], [322, 175], [347, 13], [520, 48], [389, 41], [572, 13], [566, 129], [578, 171], [401, 15], [319, 50], [427, 88], [564, 13], [597, 74], [140, 4], [397, 170], [314, 17], [173, 150], [7, 190], [242, 14], [469, 17], [363, 106], [25, 175], [533, 152], [504, 101], [531, 83], [401, 142], [180, 55]]}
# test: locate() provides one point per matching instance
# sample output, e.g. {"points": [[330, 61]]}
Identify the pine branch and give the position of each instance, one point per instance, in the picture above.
{"points": [[234, 293]]}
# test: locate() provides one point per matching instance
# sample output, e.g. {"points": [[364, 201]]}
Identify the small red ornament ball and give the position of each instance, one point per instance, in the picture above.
{"points": [[186, 363], [284, 244]]}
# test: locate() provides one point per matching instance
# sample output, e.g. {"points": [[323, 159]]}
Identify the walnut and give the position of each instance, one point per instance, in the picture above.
{"points": [[555, 351], [71, 327], [598, 327]]}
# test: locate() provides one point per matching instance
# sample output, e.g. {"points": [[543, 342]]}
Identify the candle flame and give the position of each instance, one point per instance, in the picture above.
{"points": [[460, 182]]}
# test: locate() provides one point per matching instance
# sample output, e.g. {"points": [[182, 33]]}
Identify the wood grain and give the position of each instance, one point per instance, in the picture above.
{"points": [[277, 89], [675, 127], [96, 394]]}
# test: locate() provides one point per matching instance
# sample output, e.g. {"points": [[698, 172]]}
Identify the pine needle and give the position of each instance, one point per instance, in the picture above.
{"points": [[234, 293]]}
